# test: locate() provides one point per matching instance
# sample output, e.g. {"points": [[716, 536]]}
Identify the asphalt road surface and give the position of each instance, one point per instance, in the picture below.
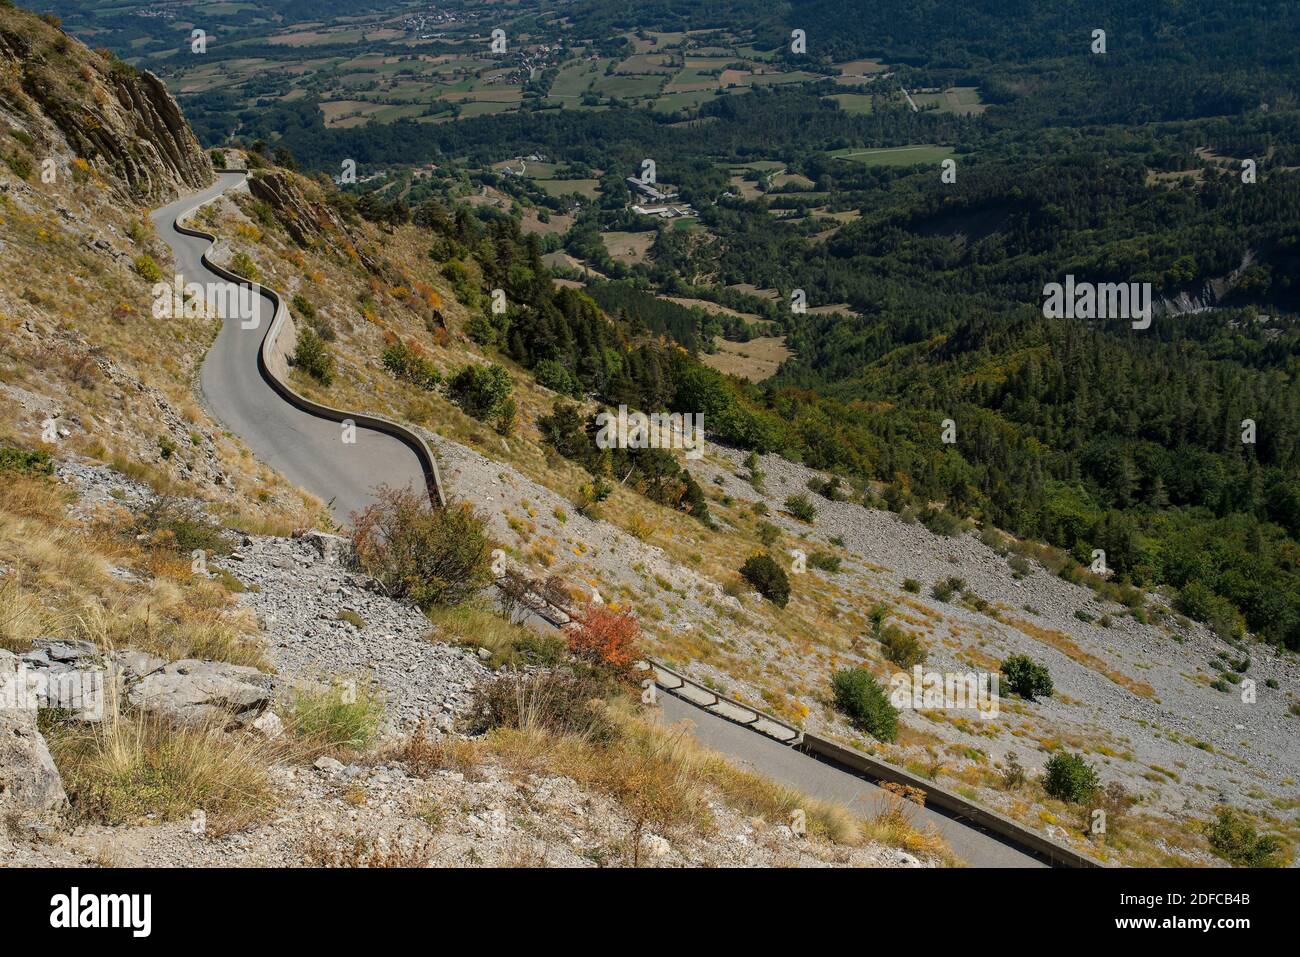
{"points": [[310, 451], [780, 762], [307, 450]]}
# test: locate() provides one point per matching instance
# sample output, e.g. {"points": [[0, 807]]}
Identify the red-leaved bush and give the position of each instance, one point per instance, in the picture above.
{"points": [[606, 638]]}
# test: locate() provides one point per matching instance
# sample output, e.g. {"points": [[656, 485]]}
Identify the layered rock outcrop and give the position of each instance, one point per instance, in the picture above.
{"points": [[76, 104]]}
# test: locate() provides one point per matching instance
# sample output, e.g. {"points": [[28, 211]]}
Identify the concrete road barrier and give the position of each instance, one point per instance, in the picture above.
{"points": [[940, 797], [273, 363], [856, 762]]}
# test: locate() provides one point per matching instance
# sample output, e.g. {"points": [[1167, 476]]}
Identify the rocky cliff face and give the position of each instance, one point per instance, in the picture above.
{"points": [[91, 114], [306, 218], [86, 144]]}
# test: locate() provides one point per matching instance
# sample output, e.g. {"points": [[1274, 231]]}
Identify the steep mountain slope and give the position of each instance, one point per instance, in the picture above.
{"points": [[1139, 686], [94, 108], [91, 363], [134, 547], [397, 305]]}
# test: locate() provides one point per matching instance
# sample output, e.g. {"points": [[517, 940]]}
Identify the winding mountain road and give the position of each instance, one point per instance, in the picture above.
{"points": [[304, 448], [803, 772], [308, 449]]}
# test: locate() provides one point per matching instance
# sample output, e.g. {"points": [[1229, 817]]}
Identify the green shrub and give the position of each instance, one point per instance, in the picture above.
{"points": [[1027, 678], [565, 430], [147, 268], [479, 328], [242, 265], [406, 364], [1235, 839], [171, 523], [899, 647], [545, 651], [767, 533], [313, 357], [423, 555], [827, 488], [480, 390], [825, 561], [303, 308], [506, 417], [768, 578], [1199, 601], [218, 158], [941, 521], [19, 164], [990, 538], [30, 461], [801, 508], [911, 585], [866, 704], [944, 590], [1070, 778], [553, 375], [464, 284]]}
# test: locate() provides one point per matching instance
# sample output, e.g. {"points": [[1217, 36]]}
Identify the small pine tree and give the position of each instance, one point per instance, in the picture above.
{"points": [[312, 356], [1027, 678]]}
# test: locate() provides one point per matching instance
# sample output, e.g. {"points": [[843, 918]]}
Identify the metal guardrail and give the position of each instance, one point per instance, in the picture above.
{"points": [[272, 362], [557, 616], [719, 704]]}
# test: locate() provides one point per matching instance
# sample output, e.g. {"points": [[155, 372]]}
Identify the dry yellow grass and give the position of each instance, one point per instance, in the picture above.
{"points": [[664, 779], [62, 583], [130, 768], [755, 360]]}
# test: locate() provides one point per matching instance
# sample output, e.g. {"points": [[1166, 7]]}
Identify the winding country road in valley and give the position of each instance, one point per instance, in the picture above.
{"points": [[306, 449]]}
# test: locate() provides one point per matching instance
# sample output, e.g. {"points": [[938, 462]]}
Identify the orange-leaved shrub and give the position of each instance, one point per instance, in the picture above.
{"points": [[606, 638]]}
